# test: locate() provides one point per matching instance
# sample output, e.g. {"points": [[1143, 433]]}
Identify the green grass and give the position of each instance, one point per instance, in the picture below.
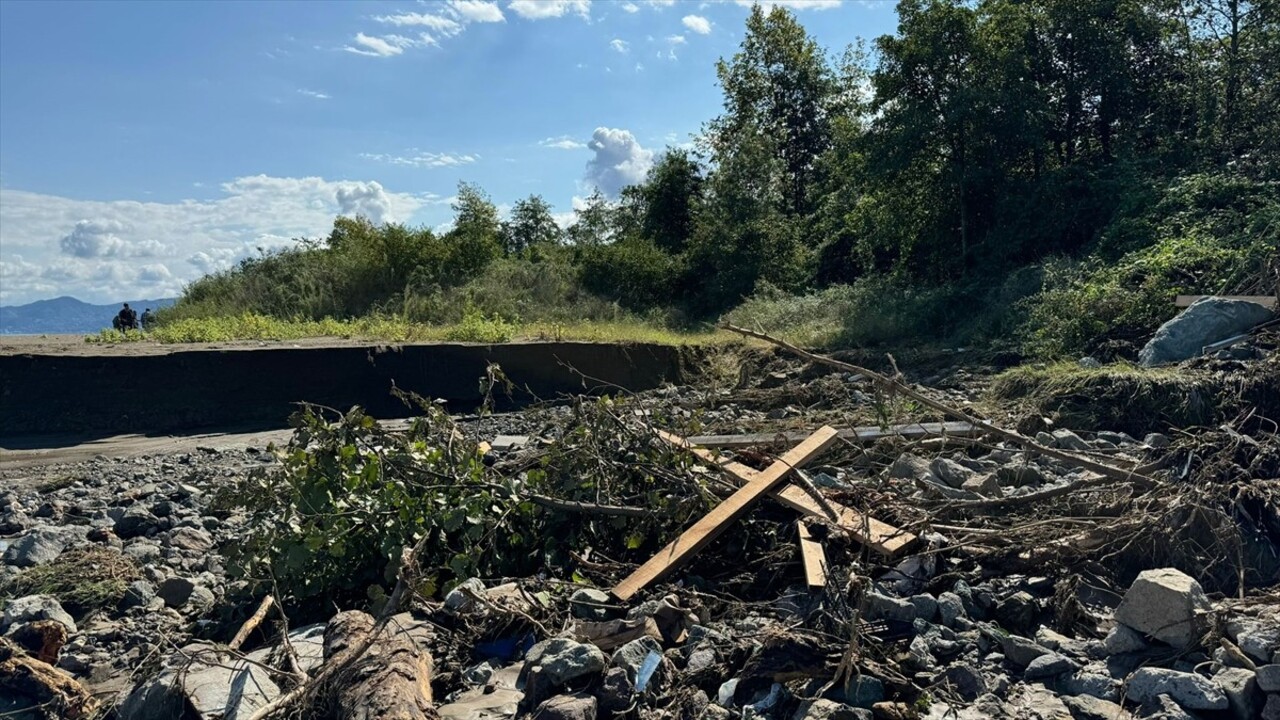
{"points": [[82, 579], [472, 328]]}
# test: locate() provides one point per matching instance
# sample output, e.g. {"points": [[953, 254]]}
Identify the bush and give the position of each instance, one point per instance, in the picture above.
{"points": [[476, 327]]}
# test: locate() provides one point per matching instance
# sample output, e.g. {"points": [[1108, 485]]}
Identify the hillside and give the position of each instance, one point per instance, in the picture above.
{"points": [[66, 315]]}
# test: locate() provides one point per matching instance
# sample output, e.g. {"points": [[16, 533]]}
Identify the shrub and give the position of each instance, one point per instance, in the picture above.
{"points": [[477, 327]]}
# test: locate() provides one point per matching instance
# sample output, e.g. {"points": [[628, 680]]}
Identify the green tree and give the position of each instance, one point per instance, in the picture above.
{"points": [[670, 198], [474, 240], [531, 225]]}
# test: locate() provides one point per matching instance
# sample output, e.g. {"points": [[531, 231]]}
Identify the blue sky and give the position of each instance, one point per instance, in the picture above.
{"points": [[144, 144]]}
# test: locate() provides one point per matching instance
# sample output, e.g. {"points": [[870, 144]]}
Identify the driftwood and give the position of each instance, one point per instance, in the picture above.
{"points": [[49, 691], [253, 622], [893, 386], [391, 681]]}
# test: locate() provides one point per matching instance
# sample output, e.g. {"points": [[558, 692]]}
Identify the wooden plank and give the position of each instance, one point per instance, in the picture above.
{"points": [[875, 534], [702, 532], [1264, 300], [869, 434], [814, 559]]}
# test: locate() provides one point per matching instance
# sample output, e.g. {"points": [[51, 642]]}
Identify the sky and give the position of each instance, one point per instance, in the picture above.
{"points": [[144, 144]]}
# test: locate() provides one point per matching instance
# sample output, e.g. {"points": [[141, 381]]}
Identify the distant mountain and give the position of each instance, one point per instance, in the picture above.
{"points": [[66, 315]]}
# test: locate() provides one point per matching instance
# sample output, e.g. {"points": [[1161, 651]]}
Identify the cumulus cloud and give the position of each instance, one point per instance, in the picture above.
{"points": [[619, 160], [564, 142], [418, 158], [51, 245], [373, 46], [792, 4], [697, 23], [543, 9], [620, 45], [631, 7], [477, 11]]}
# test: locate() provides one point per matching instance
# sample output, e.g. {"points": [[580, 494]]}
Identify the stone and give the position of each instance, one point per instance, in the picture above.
{"points": [[1055, 640], [884, 607], [823, 709], [567, 707], [138, 593], [215, 686], [36, 607], [1163, 707], [863, 691], [552, 663], [1050, 666], [1093, 684], [1020, 651], [615, 691], [1271, 711], [1189, 690], [965, 680], [1241, 688], [1124, 639], [463, 597], [191, 539], [950, 472], [1017, 613], [1269, 678], [1067, 440], [39, 547], [1156, 440], [926, 606], [1203, 323], [175, 591], [986, 485], [1257, 638], [136, 522], [1084, 707], [201, 599], [588, 604], [702, 658], [1166, 604], [1020, 475], [909, 467], [142, 552], [631, 657], [950, 607], [506, 443]]}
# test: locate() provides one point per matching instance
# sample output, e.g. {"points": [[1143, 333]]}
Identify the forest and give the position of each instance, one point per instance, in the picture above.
{"points": [[1051, 171]]}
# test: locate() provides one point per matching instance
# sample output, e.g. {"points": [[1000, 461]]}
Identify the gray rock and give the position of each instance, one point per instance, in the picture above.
{"points": [[1271, 711], [950, 607], [39, 547], [909, 467], [986, 485], [1204, 323], [1241, 688], [1269, 678], [142, 551], [567, 707], [702, 658], [1093, 684], [616, 691], [136, 522], [215, 686], [1257, 638], [1049, 666], [1017, 612], [588, 604], [463, 597], [926, 606], [884, 607], [191, 539], [138, 593], [560, 660], [823, 709], [1166, 604], [36, 607], [1156, 440], [1124, 639], [201, 599], [1084, 707], [1189, 690], [1020, 475], [1020, 651], [863, 691], [1067, 440], [965, 680], [176, 591], [1163, 707], [950, 472], [631, 656], [1057, 641]]}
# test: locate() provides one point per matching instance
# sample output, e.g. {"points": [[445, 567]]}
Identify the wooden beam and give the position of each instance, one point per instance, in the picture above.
{"points": [[702, 532], [879, 536], [1264, 300], [814, 559], [869, 434]]}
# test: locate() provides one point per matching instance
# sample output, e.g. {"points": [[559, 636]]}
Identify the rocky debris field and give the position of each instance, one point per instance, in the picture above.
{"points": [[1032, 585]]}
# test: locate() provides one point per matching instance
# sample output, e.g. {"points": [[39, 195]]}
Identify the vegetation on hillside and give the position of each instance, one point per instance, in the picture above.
{"points": [[1054, 169]]}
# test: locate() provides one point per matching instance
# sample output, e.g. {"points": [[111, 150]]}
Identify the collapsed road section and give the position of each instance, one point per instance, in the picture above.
{"points": [[170, 391]]}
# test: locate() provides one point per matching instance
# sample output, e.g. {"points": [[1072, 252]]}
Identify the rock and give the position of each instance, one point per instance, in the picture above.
{"points": [[1156, 440], [950, 607], [38, 547], [552, 663], [36, 607], [175, 591], [986, 485], [1269, 678], [201, 599], [967, 682], [1124, 639], [823, 709], [1162, 707], [588, 604], [1049, 666], [1085, 707], [567, 707], [1241, 688], [214, 685], [1067, 440], [1020, 475], [863, 691], [136, 522], [191, 539], [1054, 640], [42, 639], [909, 467], [632, 656], [505, 443], [1020, 651], [1093, 684], [950, 472], [1271, 711], [1257, 638], [142, 552], [138, 593], [884, 607], [926, 606], [1166, 604], [1189, 690], [463, 597], [1204, 323], [1017, 612]]}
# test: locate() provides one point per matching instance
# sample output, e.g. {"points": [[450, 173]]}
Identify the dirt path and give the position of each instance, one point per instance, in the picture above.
{"points": [[75, 345]]}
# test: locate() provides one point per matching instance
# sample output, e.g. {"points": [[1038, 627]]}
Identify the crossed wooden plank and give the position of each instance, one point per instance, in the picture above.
{"points": [[882, 537]]}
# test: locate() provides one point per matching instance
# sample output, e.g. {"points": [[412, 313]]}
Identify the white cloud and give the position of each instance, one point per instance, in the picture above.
{"points": [[619, 160], [631, 7], [418, 158], [564, 142], [676, 39], [543, 9], [792, 4], [477, 11], [620, 45], [52, 245], [443, 26], [698, 24], [660, 3], [312, 94], [386, 46]]}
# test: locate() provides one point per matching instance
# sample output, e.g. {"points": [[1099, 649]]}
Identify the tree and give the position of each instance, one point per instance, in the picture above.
{"points": [[671, 194], [531, 225], [594, 222], [474, 240]]}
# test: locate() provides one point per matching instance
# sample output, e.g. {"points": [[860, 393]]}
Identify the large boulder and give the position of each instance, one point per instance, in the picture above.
{"points": [[38, 547], [36, 607], [1204, 323], [1166, 604], [199, 678], [1189, 690]]}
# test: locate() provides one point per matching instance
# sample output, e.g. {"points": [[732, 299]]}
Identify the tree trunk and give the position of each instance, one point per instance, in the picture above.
{"points": [[391, 681], [41, 688]]}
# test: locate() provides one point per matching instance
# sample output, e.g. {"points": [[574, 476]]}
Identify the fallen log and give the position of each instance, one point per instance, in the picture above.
{"points": [[391, 681], [38, 688], [868, 434]]}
